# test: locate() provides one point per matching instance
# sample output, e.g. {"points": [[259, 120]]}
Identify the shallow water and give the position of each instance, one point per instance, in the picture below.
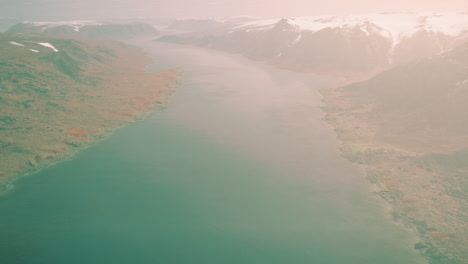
{"points": [[240, 168]]}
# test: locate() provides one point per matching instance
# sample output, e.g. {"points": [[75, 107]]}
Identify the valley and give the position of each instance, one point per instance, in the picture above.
{"points": [[400, 111], [393, 87]]}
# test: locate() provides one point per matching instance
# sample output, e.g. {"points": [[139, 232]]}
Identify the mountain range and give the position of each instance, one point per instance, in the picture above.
{"points": [[359, 44]]}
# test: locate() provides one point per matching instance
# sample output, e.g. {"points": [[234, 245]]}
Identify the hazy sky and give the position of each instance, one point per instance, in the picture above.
{"points": [[73, 9]]}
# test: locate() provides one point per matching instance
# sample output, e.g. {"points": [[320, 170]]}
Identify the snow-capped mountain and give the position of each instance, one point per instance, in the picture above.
{"points": [[394, 25], [84, 29], [349, 43]]}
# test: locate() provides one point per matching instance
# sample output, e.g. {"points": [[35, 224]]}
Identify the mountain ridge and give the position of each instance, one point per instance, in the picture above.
{"points": [[93, 30], [366, 44]]}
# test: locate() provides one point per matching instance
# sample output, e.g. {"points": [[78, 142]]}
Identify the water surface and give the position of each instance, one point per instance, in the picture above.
{"points": [[240, 168]]}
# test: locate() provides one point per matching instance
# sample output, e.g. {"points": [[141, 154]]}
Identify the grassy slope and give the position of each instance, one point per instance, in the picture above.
{"points": [[409, 127], [53, 103]]}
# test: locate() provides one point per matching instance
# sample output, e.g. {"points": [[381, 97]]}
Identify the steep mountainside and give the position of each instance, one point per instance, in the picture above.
{"points": [[58, 95], [409, 126], [340, 44], [84, 30], [424, 100]]}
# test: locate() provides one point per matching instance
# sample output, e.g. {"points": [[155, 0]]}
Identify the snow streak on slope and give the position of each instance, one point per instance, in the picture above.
{"points": [[77, 25], [16, 44], [48, 45]]}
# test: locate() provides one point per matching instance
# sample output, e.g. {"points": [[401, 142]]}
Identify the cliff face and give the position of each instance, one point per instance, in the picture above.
{"points": [[58, 95], [84, 30]]}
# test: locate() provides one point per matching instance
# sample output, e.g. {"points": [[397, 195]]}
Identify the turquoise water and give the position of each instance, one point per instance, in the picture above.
{"points": [[239, 169]]}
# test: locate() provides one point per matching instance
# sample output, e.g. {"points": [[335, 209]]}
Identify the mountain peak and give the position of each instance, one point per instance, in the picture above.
{"points": [[286, 24]]}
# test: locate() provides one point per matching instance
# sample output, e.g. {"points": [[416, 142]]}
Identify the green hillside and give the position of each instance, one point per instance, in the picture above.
{"points": [[61, 95]]}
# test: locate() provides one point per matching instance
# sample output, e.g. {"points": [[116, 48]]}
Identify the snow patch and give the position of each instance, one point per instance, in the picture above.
{"points": [[258, 24], [76, 25], [16, 44], [48, 45], [66, 23], [297, 39], [462, 83], [365, 31], [33, 50], [77, 28], [385, 34], [394, 26]]}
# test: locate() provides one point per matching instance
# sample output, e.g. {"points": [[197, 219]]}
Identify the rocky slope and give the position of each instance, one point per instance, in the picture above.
{"points": [[409, 127], [59, 95], [84, 30], [342, 44]]}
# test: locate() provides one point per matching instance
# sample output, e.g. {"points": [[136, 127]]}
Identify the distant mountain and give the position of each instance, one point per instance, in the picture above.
{"points": [[85, 30], [339, 44], [196, 25]]}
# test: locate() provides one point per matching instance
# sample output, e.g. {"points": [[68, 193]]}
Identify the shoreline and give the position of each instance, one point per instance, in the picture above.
{"points": [[9, 184], [405, 181], [373, 187], [126, 93]]}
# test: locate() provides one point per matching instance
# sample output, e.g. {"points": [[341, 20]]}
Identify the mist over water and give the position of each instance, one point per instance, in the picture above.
{"points": [[237, 170]]}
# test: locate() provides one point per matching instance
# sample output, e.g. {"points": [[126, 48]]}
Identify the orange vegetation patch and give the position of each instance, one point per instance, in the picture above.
{"points": [[409, 200], [441, 237], [392, 187], [79, 134], [143, 101], [123, 116]]}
